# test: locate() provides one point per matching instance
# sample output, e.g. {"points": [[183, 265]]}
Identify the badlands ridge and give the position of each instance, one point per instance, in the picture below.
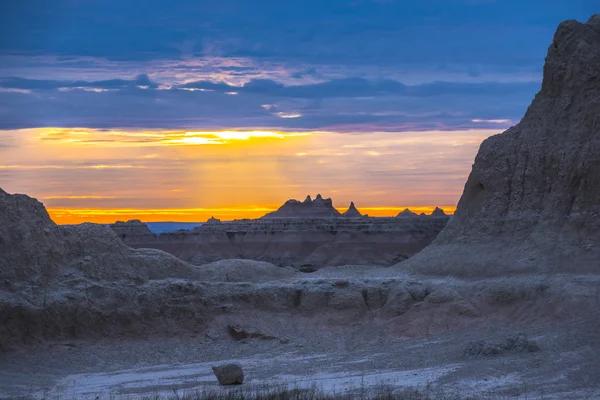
{"points": [[308, 234]]}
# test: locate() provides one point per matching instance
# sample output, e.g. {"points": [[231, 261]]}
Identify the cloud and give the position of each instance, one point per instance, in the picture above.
{"points": [[39, 84], [349, 104], [360, 87]]}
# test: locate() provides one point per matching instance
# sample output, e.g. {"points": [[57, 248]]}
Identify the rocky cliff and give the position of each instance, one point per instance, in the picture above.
{"points": [[532, 200]]}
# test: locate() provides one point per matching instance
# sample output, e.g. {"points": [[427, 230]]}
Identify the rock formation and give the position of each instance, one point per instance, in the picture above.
{"points": [[406, 213], [229, 374], [35, 249], [532, 200], [317, 208], [438, 212], [133, 227], [298, 241], [311, 232], [352, 212], [213, 221]]}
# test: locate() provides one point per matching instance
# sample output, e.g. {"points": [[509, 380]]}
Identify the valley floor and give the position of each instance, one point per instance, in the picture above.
{"points": [[334, 360]]}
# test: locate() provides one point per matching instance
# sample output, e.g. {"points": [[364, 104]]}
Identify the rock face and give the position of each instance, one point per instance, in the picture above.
{"points": [[229, 374], [317, 208], [532, 200], [352, 212]]}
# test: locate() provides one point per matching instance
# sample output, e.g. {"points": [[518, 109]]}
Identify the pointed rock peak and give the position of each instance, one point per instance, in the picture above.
{"points": [[406, 213], [352, 211], [307, 200], [318, 197], [438, 212]]}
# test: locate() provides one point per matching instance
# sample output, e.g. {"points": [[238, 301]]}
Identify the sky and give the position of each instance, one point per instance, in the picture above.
{"points": [[180, 110]]}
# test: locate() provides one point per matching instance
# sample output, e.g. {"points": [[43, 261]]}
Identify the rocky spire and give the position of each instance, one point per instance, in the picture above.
{"points": [[352, 212]]}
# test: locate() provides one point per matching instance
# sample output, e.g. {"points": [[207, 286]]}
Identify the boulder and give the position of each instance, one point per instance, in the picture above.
{"points": [[229, 374], [514, 343]]}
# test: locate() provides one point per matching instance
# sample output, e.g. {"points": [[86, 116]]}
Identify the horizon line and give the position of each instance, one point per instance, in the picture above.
{"points": [[68, 216]]}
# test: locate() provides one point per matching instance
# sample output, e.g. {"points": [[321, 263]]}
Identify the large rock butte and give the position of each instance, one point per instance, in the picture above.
{"points": [[317, 208], [532, 200]]}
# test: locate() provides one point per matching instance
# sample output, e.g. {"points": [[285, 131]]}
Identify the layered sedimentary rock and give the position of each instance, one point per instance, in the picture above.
{"points": [[297, 234], [532, 200], [298, 241]]}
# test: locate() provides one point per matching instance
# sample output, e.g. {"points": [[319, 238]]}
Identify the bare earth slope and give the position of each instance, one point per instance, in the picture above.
{"points": [[532, 200]]}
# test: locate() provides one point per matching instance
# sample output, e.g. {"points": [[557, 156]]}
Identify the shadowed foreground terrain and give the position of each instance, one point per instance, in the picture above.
{"points": [[503, 304]]}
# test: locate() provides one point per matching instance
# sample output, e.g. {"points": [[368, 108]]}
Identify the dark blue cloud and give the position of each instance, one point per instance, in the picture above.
{"points": [[34, 84], [359, 87], [339, 104], [311, 64]]}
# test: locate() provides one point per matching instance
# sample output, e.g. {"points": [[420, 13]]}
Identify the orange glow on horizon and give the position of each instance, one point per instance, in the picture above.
{"points": [[107, 216], [95, 175]]}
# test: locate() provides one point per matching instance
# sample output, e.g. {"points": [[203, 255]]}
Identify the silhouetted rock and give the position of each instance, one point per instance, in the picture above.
{"points": [[317, 208], [406, 214], [438, 212], [352, 212], [213, 221], [131, 228]]}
